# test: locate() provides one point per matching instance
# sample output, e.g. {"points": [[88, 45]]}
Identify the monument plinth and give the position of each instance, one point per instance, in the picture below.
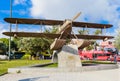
{"points": [[68, 57]]}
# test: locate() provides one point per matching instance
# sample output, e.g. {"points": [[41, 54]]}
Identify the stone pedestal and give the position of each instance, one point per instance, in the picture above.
{"points": [[68, 57], [54, 57]]}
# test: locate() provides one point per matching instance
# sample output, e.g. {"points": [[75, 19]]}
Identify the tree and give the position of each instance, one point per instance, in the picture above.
{"points": [[81, 32], [93, 42], [97, 32], [6, 42], [2, 48], [117, 39], [34, 45], [52, 30]]}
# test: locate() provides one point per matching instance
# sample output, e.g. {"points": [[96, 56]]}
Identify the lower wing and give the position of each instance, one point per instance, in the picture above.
{"points": [[53, 36]]}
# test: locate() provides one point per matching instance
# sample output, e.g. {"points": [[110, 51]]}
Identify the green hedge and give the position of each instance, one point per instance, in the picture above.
{"points": [[26, 56]]}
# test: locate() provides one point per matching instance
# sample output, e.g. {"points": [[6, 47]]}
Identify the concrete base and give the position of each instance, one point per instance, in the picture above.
{"points": [[54, 57], [68, 57]]}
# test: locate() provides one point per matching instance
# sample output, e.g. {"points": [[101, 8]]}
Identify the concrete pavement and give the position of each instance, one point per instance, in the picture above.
{"points": [[102, 75]]}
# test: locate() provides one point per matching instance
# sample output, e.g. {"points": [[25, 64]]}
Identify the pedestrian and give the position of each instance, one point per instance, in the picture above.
{"points": [[110, 58], [115, 58]]}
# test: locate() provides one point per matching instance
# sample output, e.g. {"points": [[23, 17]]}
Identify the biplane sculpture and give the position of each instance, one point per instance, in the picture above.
{"points": [[64, 32]]}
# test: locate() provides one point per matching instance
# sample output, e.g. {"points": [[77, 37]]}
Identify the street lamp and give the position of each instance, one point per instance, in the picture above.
{"points": [[10, 30]]}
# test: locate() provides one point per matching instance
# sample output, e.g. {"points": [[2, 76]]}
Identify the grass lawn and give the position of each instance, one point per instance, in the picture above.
{"points": [[97, 62], [4, 65], [52, 65], [84, 62]]}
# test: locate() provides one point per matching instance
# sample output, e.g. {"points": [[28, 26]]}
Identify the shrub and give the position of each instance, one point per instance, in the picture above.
{"points": [[26, 56]]}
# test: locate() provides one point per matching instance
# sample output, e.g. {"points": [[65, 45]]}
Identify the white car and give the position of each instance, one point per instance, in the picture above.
{"points": [[3, 57]]}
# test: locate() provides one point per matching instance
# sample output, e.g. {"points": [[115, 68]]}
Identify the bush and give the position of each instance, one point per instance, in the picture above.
{"points": [[26, 56]]}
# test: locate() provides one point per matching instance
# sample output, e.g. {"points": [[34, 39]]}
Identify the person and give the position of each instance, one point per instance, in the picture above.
{"points": [[110, 58], [115, 58]]}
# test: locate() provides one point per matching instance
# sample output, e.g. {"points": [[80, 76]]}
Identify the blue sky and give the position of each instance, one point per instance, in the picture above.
{"points": [[95, 11]]}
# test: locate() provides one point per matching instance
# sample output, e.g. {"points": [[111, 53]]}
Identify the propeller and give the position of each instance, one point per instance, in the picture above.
{"points": [[76, 16]]}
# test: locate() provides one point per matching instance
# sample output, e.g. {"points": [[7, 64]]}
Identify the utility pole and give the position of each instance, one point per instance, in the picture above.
{"points": [[10, 31]]}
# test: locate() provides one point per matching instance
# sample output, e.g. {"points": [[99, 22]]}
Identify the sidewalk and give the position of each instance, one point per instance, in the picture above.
{"points": [[102, 75]]}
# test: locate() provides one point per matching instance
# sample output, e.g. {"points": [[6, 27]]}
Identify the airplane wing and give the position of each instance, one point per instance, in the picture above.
{"points": [[33, 21], [54, 22], [100, 37], [31, 34], [53, 36]]}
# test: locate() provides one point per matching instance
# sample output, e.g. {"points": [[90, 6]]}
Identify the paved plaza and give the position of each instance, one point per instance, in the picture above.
{"points": [[102, 75]]}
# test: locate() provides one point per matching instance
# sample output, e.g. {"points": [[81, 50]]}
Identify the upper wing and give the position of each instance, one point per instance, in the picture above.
{"points": [[52, 36], [33, 21], [54, 22], [91, 25]]}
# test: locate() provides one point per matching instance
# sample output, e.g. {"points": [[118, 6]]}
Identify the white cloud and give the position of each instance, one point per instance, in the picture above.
{"points": [[3, 28], [37, 8], [113, 2], [94, 10]]}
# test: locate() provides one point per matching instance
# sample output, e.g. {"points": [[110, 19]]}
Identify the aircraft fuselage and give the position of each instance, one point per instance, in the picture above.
{"points": [[65, 29]]}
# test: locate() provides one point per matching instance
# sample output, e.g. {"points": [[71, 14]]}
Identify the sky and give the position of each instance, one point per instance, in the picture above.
{"points": [[94, 11]]}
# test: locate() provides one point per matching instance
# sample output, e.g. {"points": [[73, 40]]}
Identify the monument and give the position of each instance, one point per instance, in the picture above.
{"points": [[66, 53]]}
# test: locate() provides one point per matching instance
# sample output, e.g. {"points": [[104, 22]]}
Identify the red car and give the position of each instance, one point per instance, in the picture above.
{"points": [[106, 51], [97, 55]]}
